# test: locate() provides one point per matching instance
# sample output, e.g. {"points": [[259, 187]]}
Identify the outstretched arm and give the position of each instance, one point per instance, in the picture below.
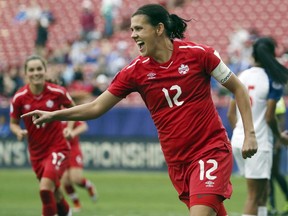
{"points": [[243, 102], [83, 112]]}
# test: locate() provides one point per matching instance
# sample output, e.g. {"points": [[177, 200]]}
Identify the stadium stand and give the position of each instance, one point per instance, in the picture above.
{"points": [[213, 22]]}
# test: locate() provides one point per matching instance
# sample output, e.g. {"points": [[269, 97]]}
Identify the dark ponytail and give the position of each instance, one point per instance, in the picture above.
{"points": [[264, 54], [175, 26]]}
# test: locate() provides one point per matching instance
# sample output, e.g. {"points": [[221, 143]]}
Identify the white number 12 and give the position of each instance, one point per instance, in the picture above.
{"points": [[208, 172], [175, 98]]}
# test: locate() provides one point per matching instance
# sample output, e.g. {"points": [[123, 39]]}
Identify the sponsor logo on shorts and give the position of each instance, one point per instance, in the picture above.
{"points": [[209, 184]]}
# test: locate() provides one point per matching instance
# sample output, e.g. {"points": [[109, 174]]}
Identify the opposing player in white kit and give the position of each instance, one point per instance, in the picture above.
{"points": [[173, 78], [265, 82]]}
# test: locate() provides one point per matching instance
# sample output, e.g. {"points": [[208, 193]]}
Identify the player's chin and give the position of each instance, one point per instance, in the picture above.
{"points": [[141, 53], [144, 53], [38, 82]]}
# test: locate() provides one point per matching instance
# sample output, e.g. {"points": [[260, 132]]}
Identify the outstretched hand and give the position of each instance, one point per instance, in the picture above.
{"points": [[39, 117]]}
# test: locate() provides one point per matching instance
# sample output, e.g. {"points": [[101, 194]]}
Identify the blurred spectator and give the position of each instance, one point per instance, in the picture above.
{"points": [[87, 21], [253, 34], [77, 53], [93, 52], [284, 59], [117, 58], [100, 84], [1, 83], [30, 13], [9, 85], [33, 11], [235, 48], [21, 15], [55, 74], [109, 10], [42, 30], [240, 48], [80, 88], [102, 64], [61, 54], [16, 76], [48, 15], [41, 37], [10, 81]]}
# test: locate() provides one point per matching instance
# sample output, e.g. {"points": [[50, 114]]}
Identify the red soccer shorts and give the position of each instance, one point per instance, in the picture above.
{"points": [[208, 174], [52, 167], [212, 200], [76, 158]]}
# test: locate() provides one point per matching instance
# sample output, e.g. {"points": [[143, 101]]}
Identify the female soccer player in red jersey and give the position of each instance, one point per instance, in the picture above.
{"points": [[173, 78], [74, 173], [48, 149]]}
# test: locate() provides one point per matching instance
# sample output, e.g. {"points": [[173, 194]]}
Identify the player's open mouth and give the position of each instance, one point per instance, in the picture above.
{"points": [[37, 79], [140, 45]]}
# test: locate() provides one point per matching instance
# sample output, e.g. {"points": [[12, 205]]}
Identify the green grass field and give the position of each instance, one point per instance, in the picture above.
{"points": [[120, 194]]}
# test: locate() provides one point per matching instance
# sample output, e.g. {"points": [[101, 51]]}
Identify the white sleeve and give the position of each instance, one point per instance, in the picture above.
{"points": [[221, 73]]}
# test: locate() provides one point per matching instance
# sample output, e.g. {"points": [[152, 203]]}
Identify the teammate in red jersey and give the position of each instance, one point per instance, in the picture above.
{"points": [[48, 149], [74, 174], [173, 78]]}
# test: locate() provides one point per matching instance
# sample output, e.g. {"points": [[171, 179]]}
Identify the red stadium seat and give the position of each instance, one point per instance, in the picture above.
{"points": [[214, 21]]}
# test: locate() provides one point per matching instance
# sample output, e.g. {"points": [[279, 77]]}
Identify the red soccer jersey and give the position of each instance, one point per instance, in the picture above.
{"points": [[48, 137], [178, 96]]}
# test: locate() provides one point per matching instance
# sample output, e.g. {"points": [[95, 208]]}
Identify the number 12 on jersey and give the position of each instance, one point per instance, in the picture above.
{"points": [[174, 100]]}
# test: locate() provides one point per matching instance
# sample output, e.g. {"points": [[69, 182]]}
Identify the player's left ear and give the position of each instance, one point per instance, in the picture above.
{"points": [[160, 29]]}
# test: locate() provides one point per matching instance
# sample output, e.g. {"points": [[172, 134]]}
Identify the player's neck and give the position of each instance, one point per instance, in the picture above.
{"points": [[164, 51], [36, 89]]}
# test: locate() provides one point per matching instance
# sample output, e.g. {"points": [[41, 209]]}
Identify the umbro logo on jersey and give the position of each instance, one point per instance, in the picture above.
{"points": [[183, 69], [151, 75]]}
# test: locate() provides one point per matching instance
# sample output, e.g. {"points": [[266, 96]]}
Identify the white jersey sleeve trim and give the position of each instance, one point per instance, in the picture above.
{"points": [[56, 90], [193, 47], [19, 94], [221, 73], [133, 64]]}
